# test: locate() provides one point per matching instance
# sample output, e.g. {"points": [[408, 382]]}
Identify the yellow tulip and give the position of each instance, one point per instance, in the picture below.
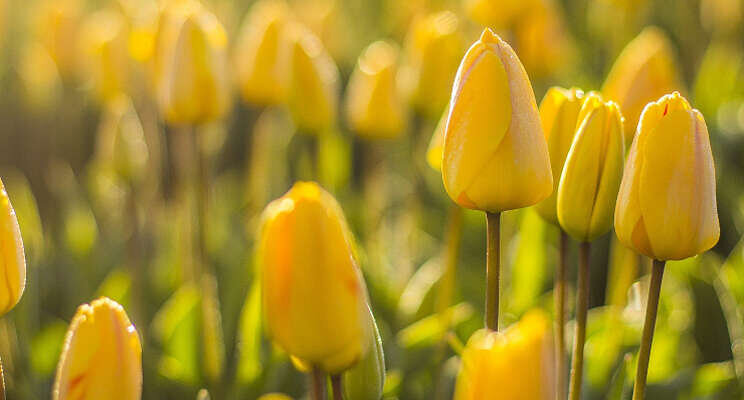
{"points": [[104, 44], [645, 70], [257, 53], [516, 364], [314, 296], [559, 111], [102, 355], [193, 87], [495, 155], [666, 208], [591, 175], [275, 396], [373, 107], [432, 51], [312, 89], [498, 14], [56, 26], [436, 144], [545, 47], [12, 256]]}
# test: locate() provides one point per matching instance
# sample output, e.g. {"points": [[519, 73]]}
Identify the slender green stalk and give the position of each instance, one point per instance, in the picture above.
{"points": [[559, 293], [493, 266], [582, 306], [652, 306], [337, 385], [201, 183], [2, 381], [317, 384]]}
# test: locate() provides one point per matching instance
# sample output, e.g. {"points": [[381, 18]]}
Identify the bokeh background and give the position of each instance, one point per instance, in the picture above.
{"points": [[101, 187]]}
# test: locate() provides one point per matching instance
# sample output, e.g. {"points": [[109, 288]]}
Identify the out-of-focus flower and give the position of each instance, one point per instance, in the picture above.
{"points": [[257, 52], [193, 87], [498, 14], [615, 21], [591, 175], [313, 82], [373, 107], [104, 45], [366, 380], [275, 396], [102, 355], [57, 23], [432, 51], [314, 296], [436, 144], [544, 44], [666, 208], [11, 253], [38, 73], [495, 153], [645, 70], [722, 17], [559, 112], [515, 364]]}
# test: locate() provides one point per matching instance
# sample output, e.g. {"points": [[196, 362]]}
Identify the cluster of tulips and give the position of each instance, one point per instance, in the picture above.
{"points": [[638, 162]]}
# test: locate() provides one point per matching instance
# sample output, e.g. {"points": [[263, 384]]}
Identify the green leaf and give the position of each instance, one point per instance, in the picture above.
{"points": [[177, 327], [431, 329], [250, 366], [365, 381], [529, 270], [46, 347]]}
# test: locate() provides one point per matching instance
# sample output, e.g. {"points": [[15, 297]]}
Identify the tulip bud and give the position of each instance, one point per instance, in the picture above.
{"points": [[497, 14], [314, 297], [644, 71], [12, 256], [436, 144], [433, 48], [313, 82], [515, 364], [495, 155], [193, 87], [104, 41], [373, 107], [257, 53], [365, 380], [559, 111], [666, 208], [591, 175], [545, 47], [102, 356]]}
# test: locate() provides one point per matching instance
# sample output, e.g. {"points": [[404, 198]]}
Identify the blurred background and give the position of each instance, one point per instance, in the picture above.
{"points": [[103, 187]]}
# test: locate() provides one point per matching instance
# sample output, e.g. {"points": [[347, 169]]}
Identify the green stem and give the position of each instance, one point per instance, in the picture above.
{"points": [[317, 384], [337, 385], [652, 306], [201, 183], [493, 266], [2, 381], [560, 317], [582, 306]]}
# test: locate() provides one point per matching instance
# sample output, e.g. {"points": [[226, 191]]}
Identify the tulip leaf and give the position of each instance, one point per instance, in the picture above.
{"points": [[177, 326], [528, 272], [431, 329], [46, 346], [249, 358]]}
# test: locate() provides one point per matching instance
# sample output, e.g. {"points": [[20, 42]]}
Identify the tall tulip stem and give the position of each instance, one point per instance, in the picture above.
{"points": [[652, 306], [493, 267], [2, 381], [337, 385], [202, 200], [317, 384], [559, 292], [582, 306]]}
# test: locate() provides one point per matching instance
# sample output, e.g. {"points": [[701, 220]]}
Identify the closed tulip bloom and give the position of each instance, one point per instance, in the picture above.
{"points": [[495, 155], [103, 41], [436, 144], [102, 355], [194, 87], [373, 107], [432, 51], [645, 70], [314, 297], [559, 111], [313, 83], [666, 208], [12, 256], [516, 364], [257, 53], [591, 175]]}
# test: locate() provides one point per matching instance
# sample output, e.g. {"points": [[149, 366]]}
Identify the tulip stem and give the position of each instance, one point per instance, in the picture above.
{"points": [[652, 306], [493, 267], [338, 388], [317, 384], [560, 317], [582, 306], [2, 381]]}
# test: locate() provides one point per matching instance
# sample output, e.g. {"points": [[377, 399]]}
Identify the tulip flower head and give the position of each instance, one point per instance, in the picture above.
{"points": [[495, 156], [104, 41], [591, 175], [101, 357], [559, 111], [645, 70], [314, 297], [258, 51], [12, 255], [373, 107], [666, 207], [516, 364], [193, 86]]}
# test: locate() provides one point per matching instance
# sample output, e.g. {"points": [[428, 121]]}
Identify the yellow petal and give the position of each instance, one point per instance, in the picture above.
{"points": [[12, 256]]}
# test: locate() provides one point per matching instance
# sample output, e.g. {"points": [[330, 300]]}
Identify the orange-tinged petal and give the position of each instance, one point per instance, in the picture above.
{"points": [[12, 255]]}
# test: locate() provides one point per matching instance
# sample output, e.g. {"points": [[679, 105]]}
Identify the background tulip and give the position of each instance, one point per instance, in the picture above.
{"points": [[591, 176], [516, 364], [102, 356], [666, 208], [495, 154], [103, 41], [313, 293], [12, 255]]}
